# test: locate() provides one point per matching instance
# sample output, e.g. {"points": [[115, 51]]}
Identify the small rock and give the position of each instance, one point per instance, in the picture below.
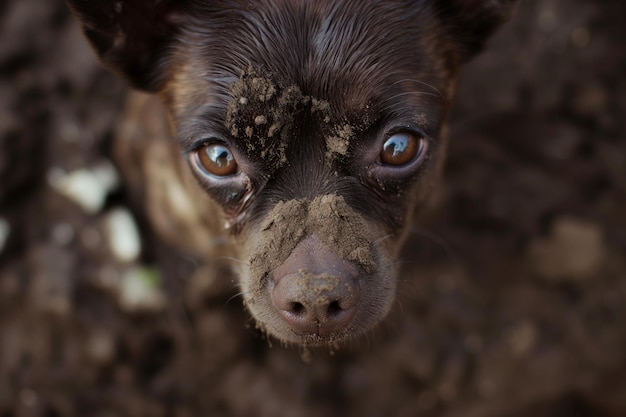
{"points": [[140, 290], [123, 234], [82, 187], [106, 173], [86, 187], [572, 252]]}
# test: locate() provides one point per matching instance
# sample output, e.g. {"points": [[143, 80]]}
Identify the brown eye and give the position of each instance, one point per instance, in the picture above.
{"points": [[217, 160], [401, 148]]}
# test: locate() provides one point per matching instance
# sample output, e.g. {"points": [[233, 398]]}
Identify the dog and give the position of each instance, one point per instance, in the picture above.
{"points": [[316, 127]]}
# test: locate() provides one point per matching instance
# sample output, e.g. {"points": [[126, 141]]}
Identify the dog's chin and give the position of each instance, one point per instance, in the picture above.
{"points": [[315, 340]]}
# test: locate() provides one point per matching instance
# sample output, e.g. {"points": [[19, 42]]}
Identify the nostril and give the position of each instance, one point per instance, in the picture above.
{"points": [[334, 309], [297, 309]]}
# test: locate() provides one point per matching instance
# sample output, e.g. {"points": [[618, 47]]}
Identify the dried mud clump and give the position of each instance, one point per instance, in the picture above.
{"points": [[281, 231], [342, 229], [321, 106], [338, 143], [260, 113], [329, 217], [317, 286]]}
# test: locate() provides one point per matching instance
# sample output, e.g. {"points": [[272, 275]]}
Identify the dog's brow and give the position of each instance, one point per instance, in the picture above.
{"points": [[202, 125]]}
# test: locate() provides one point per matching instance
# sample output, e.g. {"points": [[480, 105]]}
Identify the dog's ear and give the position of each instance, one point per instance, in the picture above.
{"points": [[471, 22], [131, 36]]}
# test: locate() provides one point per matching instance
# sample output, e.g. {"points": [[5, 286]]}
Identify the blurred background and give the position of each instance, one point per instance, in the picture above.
{"points": [[514, 302]]}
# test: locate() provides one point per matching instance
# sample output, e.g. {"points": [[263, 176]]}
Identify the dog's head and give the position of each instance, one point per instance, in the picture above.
{"points": [[314, 124]]}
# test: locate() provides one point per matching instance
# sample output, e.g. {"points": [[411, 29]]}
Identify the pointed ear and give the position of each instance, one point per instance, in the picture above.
{"points": [[472, 22], [131, 36]]}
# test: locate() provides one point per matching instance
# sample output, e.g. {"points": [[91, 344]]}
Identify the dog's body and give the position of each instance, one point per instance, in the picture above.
{"points": [[314, 126]]}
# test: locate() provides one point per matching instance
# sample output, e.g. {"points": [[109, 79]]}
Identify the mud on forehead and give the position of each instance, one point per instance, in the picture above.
{"points": [[265, 116]]}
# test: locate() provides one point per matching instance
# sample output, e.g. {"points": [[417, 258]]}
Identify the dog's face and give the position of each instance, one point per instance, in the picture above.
{"points": [[314, 125]]}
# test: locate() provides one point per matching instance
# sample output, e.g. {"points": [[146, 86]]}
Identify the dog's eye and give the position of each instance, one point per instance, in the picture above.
{"points": [[217, 160], [401, 148]]}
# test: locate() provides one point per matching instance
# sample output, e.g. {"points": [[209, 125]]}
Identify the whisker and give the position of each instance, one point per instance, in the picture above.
{"points": [[239, 294], [418, 93], [382, 239], [230, 258], [406, 93], [422, 83], [236, 284]]}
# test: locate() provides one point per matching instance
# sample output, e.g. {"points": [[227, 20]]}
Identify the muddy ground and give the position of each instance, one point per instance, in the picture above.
{"points": [[514, 302]]}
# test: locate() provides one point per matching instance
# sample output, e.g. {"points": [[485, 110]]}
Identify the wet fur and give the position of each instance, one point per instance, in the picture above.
{"points": [[328, 79]]}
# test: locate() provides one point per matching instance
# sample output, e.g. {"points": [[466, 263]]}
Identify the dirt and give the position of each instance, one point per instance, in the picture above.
{"points": [[318, 284], [328, 216], [514, 298], [278, 237], [260, 109], [342, 229], [338, 143]]}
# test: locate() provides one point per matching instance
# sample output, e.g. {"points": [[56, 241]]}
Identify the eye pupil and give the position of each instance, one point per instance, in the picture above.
{"points": [[217, 160], [400, 149]]}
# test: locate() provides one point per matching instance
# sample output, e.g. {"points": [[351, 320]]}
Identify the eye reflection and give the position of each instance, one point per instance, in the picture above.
{"points": [[217, 160], [401, 148]]}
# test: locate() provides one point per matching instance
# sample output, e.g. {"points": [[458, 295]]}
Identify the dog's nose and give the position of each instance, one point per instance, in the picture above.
{"points": [[315, 291], [315, 304]]}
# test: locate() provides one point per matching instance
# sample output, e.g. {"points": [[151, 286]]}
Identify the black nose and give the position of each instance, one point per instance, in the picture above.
{"points": [[315, 291]]}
